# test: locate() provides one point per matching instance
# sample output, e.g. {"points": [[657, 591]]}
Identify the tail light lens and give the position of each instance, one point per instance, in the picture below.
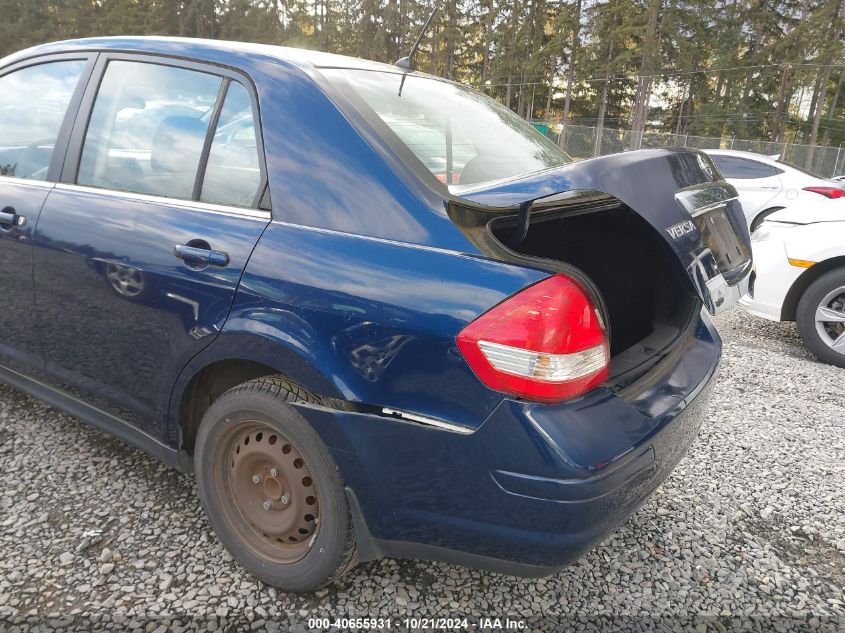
{"points": [[546, 343], [827, 192]]}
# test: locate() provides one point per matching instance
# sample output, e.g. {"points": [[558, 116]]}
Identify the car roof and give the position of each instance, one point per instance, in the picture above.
{"points": [[762, 158], [194, 48]]}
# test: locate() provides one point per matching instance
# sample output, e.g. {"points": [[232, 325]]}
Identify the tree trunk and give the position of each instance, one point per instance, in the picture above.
{"points": [[602, 110], [781, 104], [488, 41], [650, 48], [680, 114], [570, 72], [611, 47], [814, 100], [508, 93], [822, 85], [451, 29], [520, 102], [720, 83], [817, 116], [548, 111], [756, 43]]}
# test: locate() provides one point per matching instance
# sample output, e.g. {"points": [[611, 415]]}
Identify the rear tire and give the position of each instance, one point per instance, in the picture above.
{"points": [[270, 488], [820, 315], [757, 221]]}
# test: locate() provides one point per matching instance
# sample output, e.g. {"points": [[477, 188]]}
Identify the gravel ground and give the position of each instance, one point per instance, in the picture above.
{"points": [[747, 532]]}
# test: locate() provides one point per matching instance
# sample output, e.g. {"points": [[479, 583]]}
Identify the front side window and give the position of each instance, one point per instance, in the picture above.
{"points": [[233, 172], [148, 128], [461, 136], [33, 104]]}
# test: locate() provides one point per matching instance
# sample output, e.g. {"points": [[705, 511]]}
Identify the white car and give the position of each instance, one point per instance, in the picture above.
{"points": [[799, 274], [765, 184]]}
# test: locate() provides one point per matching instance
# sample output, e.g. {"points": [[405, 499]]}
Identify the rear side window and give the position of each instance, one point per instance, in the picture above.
{"points": [[233, 172], [148, 128], [743, 168], [462, 137], [33, 104]]}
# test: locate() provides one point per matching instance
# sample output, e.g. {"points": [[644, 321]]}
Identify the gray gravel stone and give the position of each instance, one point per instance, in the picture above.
{"points": [[716, 539]]}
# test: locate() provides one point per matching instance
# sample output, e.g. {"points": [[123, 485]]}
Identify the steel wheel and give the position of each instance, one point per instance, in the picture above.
{"points": [[271, 488], [272, 498], [830, 319]]}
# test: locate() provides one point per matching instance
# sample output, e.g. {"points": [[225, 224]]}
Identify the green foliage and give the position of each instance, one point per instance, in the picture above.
{"points": [[714, 67]]}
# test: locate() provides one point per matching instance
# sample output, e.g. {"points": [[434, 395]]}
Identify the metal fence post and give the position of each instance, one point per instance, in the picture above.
{"points": [[836, 164]]}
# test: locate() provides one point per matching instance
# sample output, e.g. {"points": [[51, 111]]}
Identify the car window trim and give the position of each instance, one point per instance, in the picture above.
{"points": [[194, 205], [210, 133], [62, 144], [70, 169]]}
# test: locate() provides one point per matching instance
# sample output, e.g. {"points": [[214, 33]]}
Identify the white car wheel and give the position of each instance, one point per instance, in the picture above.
{"points": [[821, 317]]}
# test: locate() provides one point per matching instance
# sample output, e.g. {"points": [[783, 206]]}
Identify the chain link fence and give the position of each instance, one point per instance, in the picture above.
{"points": [[581, 142]]}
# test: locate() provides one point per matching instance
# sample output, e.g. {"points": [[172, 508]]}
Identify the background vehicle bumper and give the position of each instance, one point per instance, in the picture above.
{"points": [[773, 277], [535, 486]]}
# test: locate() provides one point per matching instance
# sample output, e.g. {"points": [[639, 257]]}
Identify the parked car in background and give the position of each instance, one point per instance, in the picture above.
{"points": [[273, 279], [767, 184], [799, 274]]}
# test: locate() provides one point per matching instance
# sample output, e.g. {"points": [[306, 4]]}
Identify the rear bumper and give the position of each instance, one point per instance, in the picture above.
{"points": [[532, 489]]}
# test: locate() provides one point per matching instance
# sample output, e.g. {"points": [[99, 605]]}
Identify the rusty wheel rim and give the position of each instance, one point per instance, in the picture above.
{"points": [[272, 499]]}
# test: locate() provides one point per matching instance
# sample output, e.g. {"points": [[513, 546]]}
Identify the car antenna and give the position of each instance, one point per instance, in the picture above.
{"points": [[407, 63]]}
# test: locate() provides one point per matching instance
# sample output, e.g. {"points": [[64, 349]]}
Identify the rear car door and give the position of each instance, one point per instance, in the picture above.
{"points": [[141, 246], [757, 183], [38, 100]]}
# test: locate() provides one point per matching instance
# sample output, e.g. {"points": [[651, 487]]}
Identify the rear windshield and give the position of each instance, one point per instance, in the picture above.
{"points": [[461, 136]]}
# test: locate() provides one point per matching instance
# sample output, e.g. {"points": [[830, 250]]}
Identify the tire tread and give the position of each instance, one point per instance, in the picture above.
{"points": [[279, 386]]}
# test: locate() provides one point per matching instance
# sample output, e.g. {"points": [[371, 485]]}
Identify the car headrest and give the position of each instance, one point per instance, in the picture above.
{"points": [[177, 144]]}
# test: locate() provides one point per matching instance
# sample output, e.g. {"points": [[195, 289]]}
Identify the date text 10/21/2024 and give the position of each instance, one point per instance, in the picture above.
{"points": [[414, 624]]}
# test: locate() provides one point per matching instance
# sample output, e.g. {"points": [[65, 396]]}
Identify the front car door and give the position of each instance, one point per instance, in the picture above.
{"points": [[38, 101], [140, 248]]}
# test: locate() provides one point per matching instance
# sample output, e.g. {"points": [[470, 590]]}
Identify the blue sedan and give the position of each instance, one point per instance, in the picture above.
{"points": [[374, 312]]}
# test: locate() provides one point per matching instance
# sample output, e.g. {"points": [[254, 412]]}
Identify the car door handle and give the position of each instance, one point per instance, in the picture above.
{"points": [[9, 217], [203, 255], [770, 188]]}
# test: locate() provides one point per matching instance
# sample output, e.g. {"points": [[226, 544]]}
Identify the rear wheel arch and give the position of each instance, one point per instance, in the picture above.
{"points": [[236, 360], [800, 285]]}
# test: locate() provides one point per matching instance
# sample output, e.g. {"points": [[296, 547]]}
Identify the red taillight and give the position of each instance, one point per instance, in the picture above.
{"points": [[546, 343], [827, 192]]}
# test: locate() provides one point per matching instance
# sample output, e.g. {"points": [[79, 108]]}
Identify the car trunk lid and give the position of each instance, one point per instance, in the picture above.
{"points": [[679, 193]]}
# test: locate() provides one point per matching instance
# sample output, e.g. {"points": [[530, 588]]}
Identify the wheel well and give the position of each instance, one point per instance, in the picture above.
{"points": [[790, 303], [757, 219], [209, 384]]}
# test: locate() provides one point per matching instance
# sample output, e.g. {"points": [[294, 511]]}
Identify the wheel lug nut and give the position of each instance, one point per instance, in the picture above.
{"points": [[256, 479], [274, 472], [267, 505], [285, 499]]}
